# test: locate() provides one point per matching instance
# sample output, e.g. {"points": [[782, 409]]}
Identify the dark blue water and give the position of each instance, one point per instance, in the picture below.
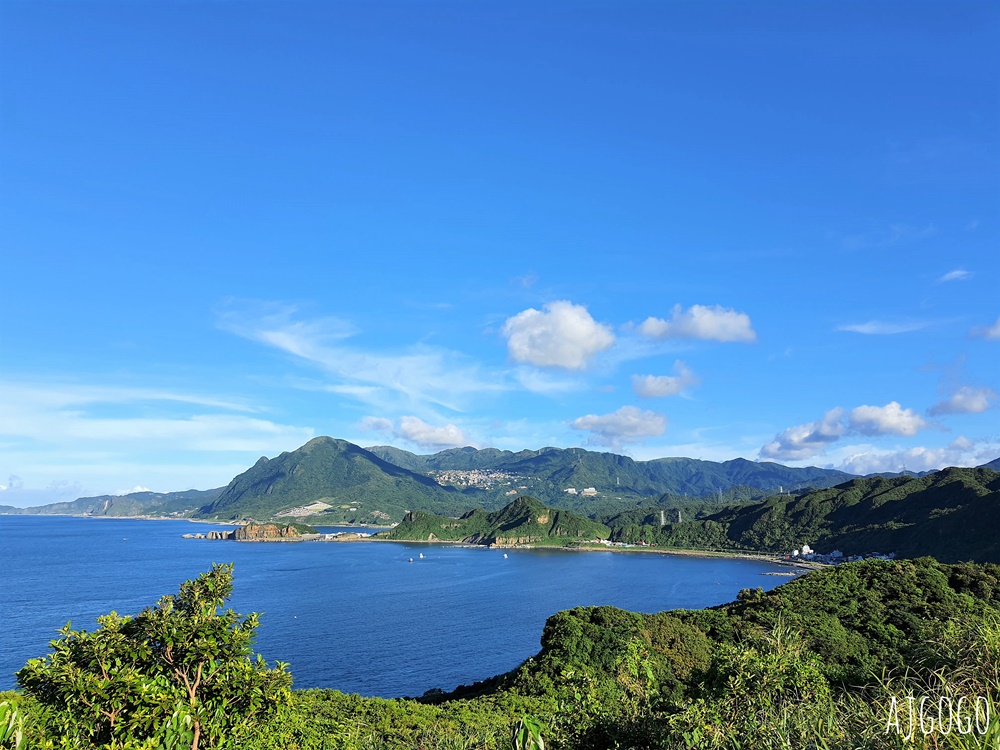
{"points": [[356, 617]]}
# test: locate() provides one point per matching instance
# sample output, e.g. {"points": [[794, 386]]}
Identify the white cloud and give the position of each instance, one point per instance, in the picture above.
{"points": [[427, 436], [546, 383], [629, 424], [991, 333], [966, 400], [418, 376], [561, 335], [883, 328], [527, 281], [806, 440], [63, 414], [659, 386], [57, 395], [380, 425], [959, 274], [14, 482], [891, 419], [708, 323], [418, 432], [913, 459], [961, 443]]}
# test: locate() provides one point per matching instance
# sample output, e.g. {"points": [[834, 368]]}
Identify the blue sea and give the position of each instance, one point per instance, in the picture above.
{"points": [[357, 617]]}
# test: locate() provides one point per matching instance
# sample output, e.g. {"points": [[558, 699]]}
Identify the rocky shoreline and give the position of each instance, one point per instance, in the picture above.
{"points": [[266, 532], [277, 533]]}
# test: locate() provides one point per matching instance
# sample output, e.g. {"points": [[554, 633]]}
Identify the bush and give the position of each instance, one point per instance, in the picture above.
{"points": [[179, 674]]}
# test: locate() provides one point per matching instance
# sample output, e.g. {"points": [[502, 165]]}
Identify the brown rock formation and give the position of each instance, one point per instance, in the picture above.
{"points": [[268, 532]]}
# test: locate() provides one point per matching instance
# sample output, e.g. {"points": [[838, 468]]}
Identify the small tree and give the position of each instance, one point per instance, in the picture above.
{"points": [[179, 674]]}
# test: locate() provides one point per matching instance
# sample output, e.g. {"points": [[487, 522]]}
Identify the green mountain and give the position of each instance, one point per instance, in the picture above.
{"points": [[548, 472], [356, 486], [951, 514], [177, 504], [524, 521], [994, 464]]}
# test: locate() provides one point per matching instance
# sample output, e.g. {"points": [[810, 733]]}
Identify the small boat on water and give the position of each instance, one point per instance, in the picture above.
{"points": [[411, 559], [504, 555], [421, 555]]}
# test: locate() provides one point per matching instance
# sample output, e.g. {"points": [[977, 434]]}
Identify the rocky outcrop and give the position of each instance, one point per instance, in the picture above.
{"points": [[514, 541], [268, 532], [254, 532]]}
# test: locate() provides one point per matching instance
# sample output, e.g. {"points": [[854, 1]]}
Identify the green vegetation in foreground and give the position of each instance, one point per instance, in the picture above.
{"points": [[826, 661], [176, 675], [524, 521], [951, 515]]}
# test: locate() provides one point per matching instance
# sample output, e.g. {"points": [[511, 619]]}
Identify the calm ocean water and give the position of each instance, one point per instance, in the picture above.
{"points": [[355, 617]]}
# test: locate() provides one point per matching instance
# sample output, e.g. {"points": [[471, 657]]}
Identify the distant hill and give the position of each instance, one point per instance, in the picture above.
{"points": [[524, 521], [355, 484], [330, 481], [994, 464], [951, 515], [177, 504], [549, 472]]}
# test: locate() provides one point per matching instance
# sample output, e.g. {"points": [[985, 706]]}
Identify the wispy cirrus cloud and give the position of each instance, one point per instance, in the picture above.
{"points": [[885, 327], [97, 438], [990, 333], [65, 394], [418, 375], [959, 274], [63, 413], [894, 234]]}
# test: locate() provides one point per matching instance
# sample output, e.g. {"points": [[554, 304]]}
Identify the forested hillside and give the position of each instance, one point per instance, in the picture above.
{"points": [[356, 485], [951, 514], [524, 521], [553, 470]]}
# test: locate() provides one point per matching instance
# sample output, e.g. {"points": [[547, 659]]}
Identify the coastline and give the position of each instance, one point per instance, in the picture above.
{"points": [[755, 557], [767, 557]]}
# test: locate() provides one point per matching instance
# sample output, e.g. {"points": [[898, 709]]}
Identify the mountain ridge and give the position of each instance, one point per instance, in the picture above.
{"points": [[949, 514], [523, 521]]}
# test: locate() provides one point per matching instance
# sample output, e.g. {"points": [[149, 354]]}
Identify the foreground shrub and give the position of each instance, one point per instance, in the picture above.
{"points": [[177, 675]]}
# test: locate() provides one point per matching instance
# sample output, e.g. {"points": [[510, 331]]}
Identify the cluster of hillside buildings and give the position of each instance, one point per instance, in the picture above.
{"points": [[485, 478], [588, 492]]}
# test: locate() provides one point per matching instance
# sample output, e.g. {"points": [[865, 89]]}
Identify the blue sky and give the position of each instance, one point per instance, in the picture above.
{"points": [[661, 228]]}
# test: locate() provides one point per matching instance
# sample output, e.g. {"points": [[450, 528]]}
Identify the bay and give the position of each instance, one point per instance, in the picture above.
{"points": [[357, 617]]}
